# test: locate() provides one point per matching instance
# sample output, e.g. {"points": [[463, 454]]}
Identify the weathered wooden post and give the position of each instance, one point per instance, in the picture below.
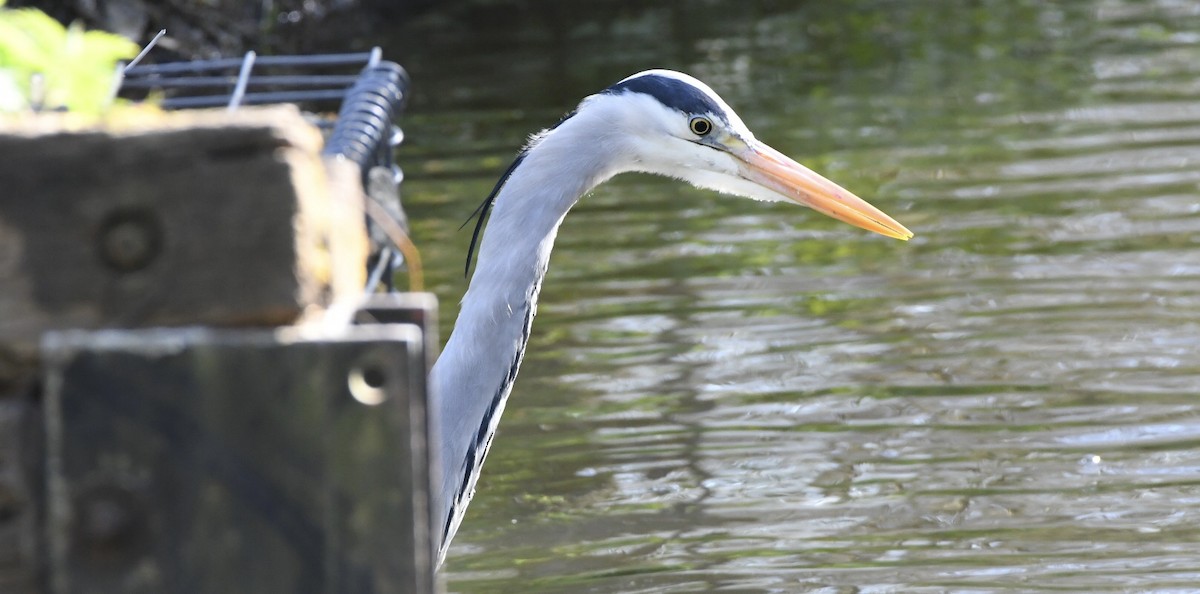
{"points": [[194, 397]]}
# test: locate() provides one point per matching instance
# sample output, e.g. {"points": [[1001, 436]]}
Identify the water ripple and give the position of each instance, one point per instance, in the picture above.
{"points": [[724, 396]]}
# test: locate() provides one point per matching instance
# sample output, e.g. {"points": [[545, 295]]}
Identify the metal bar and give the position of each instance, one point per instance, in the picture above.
{"points": [[381, 266], [311, 80], [317, 59], [231, 63], [145, 50], [253, 99], [235, 100]]}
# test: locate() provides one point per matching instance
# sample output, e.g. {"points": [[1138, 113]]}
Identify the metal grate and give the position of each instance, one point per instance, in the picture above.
{"points": [[251, 79], [368, 92]]}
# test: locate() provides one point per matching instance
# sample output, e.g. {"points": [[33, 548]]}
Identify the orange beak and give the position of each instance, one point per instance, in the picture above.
{"points": [[778, 172]]}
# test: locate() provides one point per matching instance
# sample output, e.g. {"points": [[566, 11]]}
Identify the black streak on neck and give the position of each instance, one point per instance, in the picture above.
{"points": [[482, 210], [483, 439]]}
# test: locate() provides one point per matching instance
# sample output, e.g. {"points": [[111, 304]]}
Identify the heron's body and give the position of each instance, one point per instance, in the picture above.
{"points": [[656, 121]]}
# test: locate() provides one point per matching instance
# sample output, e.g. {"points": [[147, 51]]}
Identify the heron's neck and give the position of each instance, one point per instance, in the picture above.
{"points": [[471, 380]]}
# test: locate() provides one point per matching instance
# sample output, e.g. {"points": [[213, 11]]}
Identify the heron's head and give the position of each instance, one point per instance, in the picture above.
{"points": [[669, 123]]}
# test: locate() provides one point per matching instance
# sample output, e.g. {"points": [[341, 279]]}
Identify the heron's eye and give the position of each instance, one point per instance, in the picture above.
{"points": [[700, 126]]}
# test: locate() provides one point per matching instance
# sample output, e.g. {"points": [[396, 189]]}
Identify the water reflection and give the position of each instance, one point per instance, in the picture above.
{"points": [[728, 395]]}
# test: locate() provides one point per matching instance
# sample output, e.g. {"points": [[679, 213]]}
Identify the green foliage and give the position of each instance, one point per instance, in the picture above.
{"points": [[75, 66]]}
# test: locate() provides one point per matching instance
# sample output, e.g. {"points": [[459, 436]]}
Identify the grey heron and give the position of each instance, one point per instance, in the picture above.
{"points": [[658, 121]]}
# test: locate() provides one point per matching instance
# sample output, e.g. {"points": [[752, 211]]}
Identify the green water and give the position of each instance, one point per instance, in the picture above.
{"points": [[727, 395]]}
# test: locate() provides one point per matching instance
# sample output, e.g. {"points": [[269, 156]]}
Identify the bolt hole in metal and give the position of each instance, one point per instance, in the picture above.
{"points": [[129, 239], [368, 383], [109, 523]]}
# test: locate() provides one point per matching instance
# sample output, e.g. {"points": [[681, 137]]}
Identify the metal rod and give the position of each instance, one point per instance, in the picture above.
{"points": [[385, 259], [400, 240], [254, 98], [145, 50], [239, 91], [230, 63], [299, 80]]}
